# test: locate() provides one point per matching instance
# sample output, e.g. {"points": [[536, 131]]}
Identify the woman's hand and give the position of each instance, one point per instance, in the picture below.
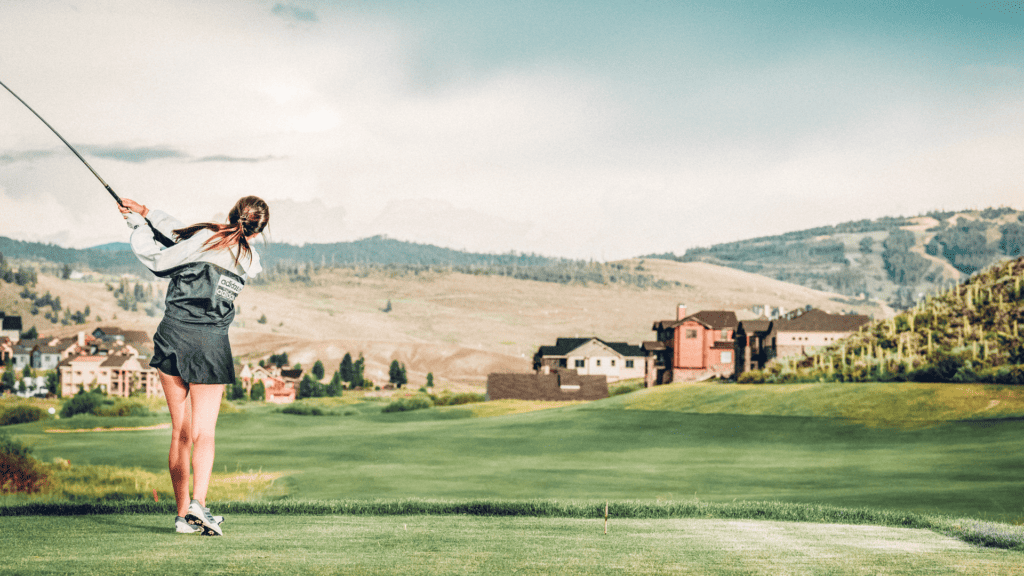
{"points": [[129, 205]]}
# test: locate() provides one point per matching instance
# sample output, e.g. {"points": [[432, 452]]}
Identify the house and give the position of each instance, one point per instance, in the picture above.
{"points": [[45, 357], [278, 389], [801, 332], [107, 340], [85, 372], [754, 344], [548, 384], [22, 354], [113, 360], [127, 374], [10, 326], [72, 345], [692, 347], [593, 357]]}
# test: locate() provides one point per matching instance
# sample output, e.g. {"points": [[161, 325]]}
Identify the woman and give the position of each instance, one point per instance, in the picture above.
{"points": [[207, 267]]}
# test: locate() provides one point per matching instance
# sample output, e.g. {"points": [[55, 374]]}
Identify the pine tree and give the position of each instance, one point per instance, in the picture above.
{"points": [[397, 374], [346, 368], [334, 388], [318, 370], [357, 372], [258, 392]]}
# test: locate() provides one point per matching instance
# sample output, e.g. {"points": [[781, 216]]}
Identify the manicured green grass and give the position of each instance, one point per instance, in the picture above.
{"points": [[146, 544], [883, 404], [598, 450]]}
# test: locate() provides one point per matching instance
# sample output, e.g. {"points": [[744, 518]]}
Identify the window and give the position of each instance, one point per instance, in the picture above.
{"points": [[580, 363], [629, 363], [598, 362], [613, 362], [725, 334], [691, 333], [726, 357], [563, 363]]}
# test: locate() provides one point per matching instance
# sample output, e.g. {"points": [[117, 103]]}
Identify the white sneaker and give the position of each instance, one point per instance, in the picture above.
{"points": [[200, 517], [181, 525]]}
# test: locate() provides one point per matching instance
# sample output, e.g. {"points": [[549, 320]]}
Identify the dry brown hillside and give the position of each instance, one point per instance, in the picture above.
{"points": [[458, 326]]}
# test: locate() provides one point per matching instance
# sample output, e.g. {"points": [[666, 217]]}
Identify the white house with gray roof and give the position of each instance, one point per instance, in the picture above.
{"points": [[593, 357]]}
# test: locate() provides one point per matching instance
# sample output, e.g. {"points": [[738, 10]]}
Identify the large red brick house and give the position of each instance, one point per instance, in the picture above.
{"points": [[692, 347]]}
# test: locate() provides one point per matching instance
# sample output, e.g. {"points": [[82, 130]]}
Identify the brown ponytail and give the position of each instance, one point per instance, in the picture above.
{"points": [[249, 216]]}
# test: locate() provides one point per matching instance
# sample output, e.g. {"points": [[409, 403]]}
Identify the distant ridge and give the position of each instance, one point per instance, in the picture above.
{"points": [[894, 259], [116, 257]]}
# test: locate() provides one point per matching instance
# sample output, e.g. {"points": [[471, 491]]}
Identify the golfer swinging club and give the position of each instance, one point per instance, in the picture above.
{"points": [[207, 268]]}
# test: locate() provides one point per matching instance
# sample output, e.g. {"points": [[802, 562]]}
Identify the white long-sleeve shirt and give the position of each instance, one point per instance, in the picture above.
{"points": [[204, 282]]}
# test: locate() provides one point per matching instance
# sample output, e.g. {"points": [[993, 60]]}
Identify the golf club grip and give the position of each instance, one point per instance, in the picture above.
{"points": [[114, 194]]}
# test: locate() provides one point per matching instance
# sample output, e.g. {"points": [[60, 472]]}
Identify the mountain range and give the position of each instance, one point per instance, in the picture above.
{"points": [[897, 260]]}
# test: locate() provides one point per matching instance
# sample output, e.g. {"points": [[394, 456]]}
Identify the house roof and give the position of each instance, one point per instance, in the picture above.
{"points": [[73, 359], [717, 319], [563, 346], [713, 319], [10, 323], [50, 350], [752, 326], [654, 346], [815, 320], [115, 361]]}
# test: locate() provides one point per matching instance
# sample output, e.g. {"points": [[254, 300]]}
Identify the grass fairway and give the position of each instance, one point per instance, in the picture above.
{"points": [[260, 544], [598, 451]]}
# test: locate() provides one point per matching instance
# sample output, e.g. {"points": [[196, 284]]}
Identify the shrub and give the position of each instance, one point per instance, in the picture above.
{"points": [[81, 403], [416, 402], [121, 409], [625, 389], [303, 410], [455, 399], [11, 446], [943, 366], [19, 472], [752, 377], [258, 391], [22, 414], [1004, 375]]}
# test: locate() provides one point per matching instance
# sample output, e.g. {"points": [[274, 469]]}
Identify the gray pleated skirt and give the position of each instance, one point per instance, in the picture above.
{"points": [[199, 355]]}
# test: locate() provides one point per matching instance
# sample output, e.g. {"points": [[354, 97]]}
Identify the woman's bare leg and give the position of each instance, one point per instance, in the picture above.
{"points": [[176, 393], [205, 409]]}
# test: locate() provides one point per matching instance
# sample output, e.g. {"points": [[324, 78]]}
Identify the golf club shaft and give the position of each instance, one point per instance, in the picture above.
{"points": [[66, 143], [159, 236]]}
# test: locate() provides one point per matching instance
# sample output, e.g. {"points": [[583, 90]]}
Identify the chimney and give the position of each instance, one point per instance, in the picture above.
{"points": [[81, 339], [681, 312]]}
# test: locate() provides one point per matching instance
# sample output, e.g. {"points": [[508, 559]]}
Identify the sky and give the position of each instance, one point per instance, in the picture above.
{"points": [[599, 129]]}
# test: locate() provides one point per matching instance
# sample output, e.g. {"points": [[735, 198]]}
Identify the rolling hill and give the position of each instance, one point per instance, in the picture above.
{"points": [[893, 259], [460, 326]]}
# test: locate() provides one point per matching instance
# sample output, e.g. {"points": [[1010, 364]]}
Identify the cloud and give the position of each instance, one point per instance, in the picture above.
{"points": [[226, 158], [135, 155], [293, 12], [25, 156]]}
